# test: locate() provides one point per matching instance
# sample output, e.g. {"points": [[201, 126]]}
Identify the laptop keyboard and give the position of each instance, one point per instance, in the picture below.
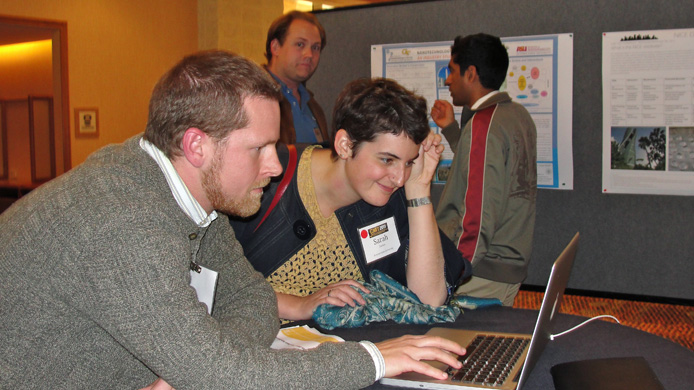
{"points": [[489, 360]]}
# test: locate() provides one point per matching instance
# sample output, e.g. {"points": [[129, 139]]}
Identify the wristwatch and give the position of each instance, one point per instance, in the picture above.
{"points": [[418, 202]]}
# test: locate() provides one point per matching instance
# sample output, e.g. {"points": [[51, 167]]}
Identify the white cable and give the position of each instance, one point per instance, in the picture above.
{"points": [[553, 336]]}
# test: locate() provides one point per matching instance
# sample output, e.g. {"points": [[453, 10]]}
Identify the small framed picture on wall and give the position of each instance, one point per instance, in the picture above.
{"points": [[86, 122]]}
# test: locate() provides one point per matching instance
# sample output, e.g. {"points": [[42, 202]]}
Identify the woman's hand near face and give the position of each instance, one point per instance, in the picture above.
{"points": [[425, 273], [295, 308], [424, 167]]}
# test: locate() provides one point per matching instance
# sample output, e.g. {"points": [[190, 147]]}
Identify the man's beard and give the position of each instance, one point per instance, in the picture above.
{"points": [[211, 184]]}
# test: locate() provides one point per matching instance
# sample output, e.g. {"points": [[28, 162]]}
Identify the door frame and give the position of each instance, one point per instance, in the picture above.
{"points": [[60, 73]]}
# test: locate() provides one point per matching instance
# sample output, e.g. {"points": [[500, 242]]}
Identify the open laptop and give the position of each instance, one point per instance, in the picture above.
{"points": [[525, 349]]}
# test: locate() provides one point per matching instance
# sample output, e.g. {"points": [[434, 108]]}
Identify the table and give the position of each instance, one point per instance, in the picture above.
{"points": [[672, 363]]}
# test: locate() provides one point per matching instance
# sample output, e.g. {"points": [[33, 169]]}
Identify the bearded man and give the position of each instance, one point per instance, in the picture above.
{"points": [[121, 273]]}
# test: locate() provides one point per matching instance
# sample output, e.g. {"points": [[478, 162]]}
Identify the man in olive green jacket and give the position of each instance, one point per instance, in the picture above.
{"points": [[488, 204]]}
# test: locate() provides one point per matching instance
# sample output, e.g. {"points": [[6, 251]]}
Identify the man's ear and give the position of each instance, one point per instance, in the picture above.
{"points": [[194, 146], [343, 144], [274, 46], [471, 73]]}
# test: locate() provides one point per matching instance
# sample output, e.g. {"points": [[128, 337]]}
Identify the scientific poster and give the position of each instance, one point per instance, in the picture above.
{"points": [[540, 77], [648, 112]]}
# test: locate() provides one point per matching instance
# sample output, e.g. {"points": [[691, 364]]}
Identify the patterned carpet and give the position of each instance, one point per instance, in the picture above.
{"points": [[673, 322]]}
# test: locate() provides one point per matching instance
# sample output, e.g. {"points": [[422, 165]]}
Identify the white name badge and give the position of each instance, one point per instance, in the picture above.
{"points": [[204, 281], [379, 239]]}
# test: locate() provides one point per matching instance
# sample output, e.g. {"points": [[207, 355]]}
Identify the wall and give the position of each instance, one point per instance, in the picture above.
{"points": [[237, 25], [631, 244], [117, 51]]}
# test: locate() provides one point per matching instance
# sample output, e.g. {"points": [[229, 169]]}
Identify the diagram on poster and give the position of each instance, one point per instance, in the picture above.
{"points": [[530, 83]]}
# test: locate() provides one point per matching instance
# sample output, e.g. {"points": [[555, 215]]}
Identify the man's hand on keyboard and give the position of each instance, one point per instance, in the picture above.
{"points": [[404, 353], [158, 384]]}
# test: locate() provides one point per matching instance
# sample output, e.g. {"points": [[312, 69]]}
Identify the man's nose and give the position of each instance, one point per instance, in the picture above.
{"points": [[273, 166], [308, 52]]}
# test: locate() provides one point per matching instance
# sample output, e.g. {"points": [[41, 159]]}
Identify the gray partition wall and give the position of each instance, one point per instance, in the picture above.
{"points": [[630, 244]]}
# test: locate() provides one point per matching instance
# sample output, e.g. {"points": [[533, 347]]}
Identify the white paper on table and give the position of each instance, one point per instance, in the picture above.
{"points": [[302, 337]]}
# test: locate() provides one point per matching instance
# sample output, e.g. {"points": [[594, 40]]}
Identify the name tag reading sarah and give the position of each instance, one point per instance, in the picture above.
{"points": [[379, 239], [204, 281]]}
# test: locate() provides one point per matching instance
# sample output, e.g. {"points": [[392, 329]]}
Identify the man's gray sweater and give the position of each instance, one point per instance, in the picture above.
{"points": [[94, 293]]}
